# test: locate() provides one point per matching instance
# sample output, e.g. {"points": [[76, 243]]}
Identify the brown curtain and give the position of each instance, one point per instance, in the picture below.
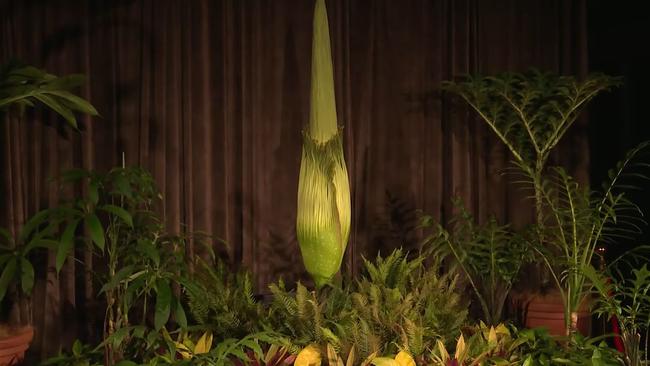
{"points": [[210, 96]]}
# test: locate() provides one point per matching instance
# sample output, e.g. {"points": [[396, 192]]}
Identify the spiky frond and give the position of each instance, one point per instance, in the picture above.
{"points": [[223, 301], [578, 220], [529, 112], [397, 304], [490, 256]]}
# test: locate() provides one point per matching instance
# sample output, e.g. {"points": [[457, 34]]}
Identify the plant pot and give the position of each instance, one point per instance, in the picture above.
{"points": [[13, 346], [547, 311]]}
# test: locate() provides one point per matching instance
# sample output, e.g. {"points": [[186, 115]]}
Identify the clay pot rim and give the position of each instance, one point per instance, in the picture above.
{"points": [[22, 334]]}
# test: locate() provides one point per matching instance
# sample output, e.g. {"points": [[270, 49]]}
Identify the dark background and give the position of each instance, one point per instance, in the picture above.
{"points": [[618, 36]]}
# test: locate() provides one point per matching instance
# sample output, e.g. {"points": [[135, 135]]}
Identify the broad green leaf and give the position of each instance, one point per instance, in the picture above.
{"points": [[5, 236], [14, 99], [240, 354], [163, 304], [118, 336], [119, 212], [66, 82], [40, 243], [66, 244], [148, 249], [120, 276], [75, 102], [77, 348], [96, 230], [26, 275], [21, 72], [33, 224], [58, 108], [8, 274], [93, 192], [252, 344], [179, 313], [5, 258]]}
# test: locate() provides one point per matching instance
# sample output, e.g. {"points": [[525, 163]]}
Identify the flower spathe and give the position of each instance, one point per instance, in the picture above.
{"points": [[324, 212]]}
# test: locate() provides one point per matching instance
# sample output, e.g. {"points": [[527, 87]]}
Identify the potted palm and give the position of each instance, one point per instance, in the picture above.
{"points": [[530, 113], [24, 86]]}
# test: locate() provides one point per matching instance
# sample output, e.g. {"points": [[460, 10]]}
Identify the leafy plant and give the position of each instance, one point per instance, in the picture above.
{"points": [[143, 262], [17, 274], [24, 86], [579, 220], [305, 317], [530, 113], [397, 305], [401, 359], [223, 301], [628, 300], [401, 302], [231, 351], [537, 348], [189, 349], [505, 345], [485, 345], [81, 355], [490, 256]]}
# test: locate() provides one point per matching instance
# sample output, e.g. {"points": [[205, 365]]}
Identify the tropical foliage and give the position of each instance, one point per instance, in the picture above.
{"points": [[627, 300], [405, 309], [489, 255], [25, 86], [530, 113]]}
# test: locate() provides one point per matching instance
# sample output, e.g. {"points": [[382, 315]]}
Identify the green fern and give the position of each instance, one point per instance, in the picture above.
{"points": [[530, 112], [223, 301], [489, 255], [397, 304], [406, 305]]}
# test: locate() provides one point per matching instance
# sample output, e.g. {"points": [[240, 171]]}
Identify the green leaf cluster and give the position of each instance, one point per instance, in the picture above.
{"points": [[25, 86], [530, 112], [397, 303], [627, 299], [489, 255], [223, 301]]}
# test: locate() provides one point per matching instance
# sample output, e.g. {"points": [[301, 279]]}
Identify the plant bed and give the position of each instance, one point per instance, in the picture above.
{"points": [[548, 311], [163, 307]]}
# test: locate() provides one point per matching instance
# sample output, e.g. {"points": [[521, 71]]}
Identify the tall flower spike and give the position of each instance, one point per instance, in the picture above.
{"points": [[324, 213]]}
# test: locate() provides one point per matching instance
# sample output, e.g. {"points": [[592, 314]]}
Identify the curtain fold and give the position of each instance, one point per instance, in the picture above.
{"points": [[210, 96]]}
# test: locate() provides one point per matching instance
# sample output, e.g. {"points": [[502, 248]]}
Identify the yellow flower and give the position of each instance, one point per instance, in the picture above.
{"points": [[404, 359], [309, 356]]}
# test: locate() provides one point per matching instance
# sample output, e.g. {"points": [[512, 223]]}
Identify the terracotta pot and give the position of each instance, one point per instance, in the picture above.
{"points": [[13, 347], [547, 311]]}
